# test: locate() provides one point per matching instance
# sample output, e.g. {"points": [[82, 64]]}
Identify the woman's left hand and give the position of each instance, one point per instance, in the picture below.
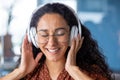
{"points": [[70, 65], [76, 44]]}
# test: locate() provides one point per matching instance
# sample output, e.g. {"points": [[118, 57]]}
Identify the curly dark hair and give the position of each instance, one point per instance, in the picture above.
{"points": [[89, 55]]}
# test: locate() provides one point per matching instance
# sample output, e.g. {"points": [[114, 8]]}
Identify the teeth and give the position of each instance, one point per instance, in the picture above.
{"points": [[52, 50]]}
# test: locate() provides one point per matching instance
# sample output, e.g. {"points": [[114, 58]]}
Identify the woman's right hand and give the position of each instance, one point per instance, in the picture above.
{"points": [[28, 63]]}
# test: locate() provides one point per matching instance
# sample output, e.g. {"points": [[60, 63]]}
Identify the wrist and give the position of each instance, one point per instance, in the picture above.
{"points": [[20, 73], [14, 75], [77, 74], [72, 68]]}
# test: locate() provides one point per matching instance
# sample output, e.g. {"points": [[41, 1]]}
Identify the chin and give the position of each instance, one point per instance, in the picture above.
{"points": [[55, 58]]}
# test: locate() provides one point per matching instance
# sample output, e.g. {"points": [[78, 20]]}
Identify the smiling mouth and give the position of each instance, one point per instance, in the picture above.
{"points": [[53, 50]]}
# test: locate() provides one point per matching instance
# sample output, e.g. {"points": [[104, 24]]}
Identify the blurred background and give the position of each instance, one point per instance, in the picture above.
{"points": [[100, 16]]}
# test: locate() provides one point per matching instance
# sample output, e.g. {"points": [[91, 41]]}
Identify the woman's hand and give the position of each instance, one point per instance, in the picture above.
{"points": [[76, 44], [70, 65], [28, 63]]}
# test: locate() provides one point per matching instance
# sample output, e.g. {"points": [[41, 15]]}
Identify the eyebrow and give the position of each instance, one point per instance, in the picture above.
{"points": [[45, 30], [60, 29]]}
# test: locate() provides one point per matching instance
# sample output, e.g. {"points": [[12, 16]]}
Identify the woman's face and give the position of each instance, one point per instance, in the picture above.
{"points": [[53, 36]]}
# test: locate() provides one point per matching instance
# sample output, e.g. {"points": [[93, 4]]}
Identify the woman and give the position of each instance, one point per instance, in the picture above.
{"points": [[51, 55]]}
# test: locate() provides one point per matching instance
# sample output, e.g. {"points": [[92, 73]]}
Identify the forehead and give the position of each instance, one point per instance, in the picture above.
{"points": [[51, 21]]}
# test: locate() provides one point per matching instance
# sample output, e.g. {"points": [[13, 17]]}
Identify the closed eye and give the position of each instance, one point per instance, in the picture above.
{"points": [[60, 32], [43, 34]]}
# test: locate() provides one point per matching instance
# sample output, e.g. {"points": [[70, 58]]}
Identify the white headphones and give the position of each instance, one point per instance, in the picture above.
{"points": [[31, 31]]}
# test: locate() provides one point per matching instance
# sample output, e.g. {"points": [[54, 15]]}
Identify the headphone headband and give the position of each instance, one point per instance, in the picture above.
{"points": [[31, 30]]}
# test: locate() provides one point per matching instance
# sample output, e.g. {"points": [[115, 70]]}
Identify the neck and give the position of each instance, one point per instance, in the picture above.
{"points": [[55, 67]]}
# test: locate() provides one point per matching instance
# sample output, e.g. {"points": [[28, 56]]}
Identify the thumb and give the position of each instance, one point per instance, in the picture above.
{"points": [[38, 57]]}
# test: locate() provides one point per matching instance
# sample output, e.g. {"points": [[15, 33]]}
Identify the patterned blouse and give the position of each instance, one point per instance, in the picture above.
{"points": [[42, 73]]}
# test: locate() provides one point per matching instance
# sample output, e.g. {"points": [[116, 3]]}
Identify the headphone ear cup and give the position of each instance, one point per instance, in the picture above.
{"points": [[76, 31], [31, 36], [73, 33], [28, 34]]}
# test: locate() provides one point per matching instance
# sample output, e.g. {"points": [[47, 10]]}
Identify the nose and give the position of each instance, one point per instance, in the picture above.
{"points": [[52, 41]]}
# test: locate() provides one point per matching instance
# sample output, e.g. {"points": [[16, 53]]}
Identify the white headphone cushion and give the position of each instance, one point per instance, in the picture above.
{"points": [[32, 33]]}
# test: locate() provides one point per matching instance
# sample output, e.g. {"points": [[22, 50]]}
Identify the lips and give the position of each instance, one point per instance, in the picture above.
{"points": [[55, 50]]}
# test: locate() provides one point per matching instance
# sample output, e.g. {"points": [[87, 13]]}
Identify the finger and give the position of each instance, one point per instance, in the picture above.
{"points": [[26, 38], [38, 57], [26, 47], [23, 45], [25, 42], [81, 42], [30, 48], [77, 43], [71, 55], [72, 49]]}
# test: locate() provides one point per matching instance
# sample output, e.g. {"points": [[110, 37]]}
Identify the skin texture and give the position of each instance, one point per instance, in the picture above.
{"points": [[50, 23]]}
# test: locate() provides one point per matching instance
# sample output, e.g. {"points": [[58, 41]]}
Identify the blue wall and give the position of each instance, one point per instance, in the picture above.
{"points": [[107, 32]]}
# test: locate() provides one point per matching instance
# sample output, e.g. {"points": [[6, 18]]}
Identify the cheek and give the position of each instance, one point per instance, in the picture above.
{"points": [[41, 47], [64, 46]]}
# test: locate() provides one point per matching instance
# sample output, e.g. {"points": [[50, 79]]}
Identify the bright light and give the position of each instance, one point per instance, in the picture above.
{"points": [[21, 11]]}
